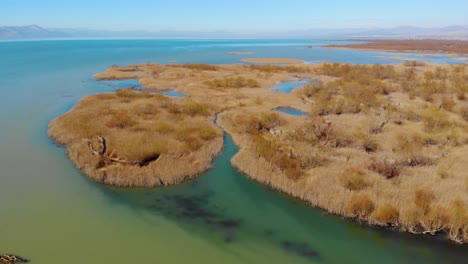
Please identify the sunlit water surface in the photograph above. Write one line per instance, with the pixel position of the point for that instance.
(51, 213)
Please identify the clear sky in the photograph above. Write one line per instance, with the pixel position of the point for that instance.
(232, 15)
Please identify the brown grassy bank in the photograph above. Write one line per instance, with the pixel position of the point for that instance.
(273, 60)
(422, 45)
(134, 139)
(384, 144)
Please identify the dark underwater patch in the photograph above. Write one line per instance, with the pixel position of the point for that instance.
(300, 248)
(196, 209)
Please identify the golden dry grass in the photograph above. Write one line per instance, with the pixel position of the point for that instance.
(273, 60)
(385, 144)
(146, 143)
(431, 45)
(386, 154)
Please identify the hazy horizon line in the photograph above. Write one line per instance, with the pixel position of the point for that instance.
(238, 30)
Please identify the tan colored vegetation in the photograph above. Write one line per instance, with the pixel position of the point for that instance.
(385, 144)
(273, 60)
(381, 145)
(360, 206)
(386, 214)
(130, 138)
(233, 82)
(431, 45)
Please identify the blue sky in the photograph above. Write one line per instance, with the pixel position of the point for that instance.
(231, 15)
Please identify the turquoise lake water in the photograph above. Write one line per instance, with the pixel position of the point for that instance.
(290, 111)
(287, 87)
(51, 213)
(173, 94)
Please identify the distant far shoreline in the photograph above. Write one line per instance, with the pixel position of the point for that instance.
(421, 45)
(240, 52)
(273, 60)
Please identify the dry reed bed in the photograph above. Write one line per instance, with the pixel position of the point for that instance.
(427, 45)
(129, 138)
(383, 144)
(386, 145)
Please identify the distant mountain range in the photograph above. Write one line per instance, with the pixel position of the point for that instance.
(37, 32)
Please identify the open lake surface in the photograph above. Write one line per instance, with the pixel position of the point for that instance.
(51, 213)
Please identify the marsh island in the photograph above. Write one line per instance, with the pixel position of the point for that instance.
(386, 144)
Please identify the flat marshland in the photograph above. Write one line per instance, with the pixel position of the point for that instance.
(273, 60)
(416, 45)
(138, 139)
(383, 144)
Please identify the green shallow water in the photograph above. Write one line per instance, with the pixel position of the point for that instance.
(51, 213)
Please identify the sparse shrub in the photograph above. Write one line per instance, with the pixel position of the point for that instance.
(279, 155)
(428, 75)
(233, 82)
(360, 205)
(383, 72)
(377, 126)
(276, 68)
(207, 133)
(269, 120)
(193, 109)
(136, 149)
(192, 143)
(172, 108)
(385, 167)
(148, 110)
(464, 112)
(183, 133)
(105, 96)
(411, 148)
(253, 125)
(312, 89)
(121, 120)
(165, 128)
(196, 66)
(312, 159)
(369, 144)
(128, 93)
(410, 216)
(458, 226)
(423, 198)
(443, 171)
(252, 83)
(441, 73)
(413, 63)
(409, 75)
(436, 120)
(314, 131)
(354, 179)
(345, 96)
(435, 219)
(447, 103)
(386, 214)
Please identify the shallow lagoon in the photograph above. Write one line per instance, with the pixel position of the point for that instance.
(121, 84)
(172, 93)
(290, 111)
(51, 213)
(287, 87)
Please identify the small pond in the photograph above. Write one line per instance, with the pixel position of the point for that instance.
(287, 87)
(290, 111)
(173, 93)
